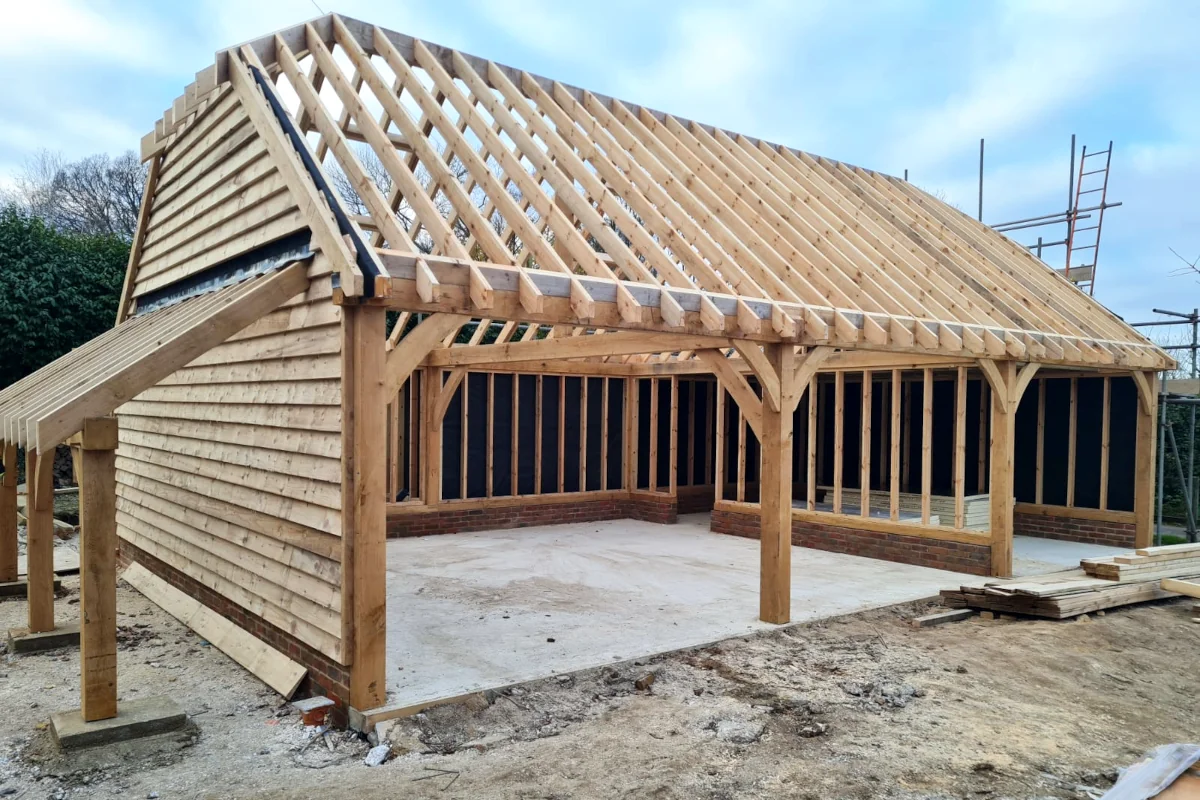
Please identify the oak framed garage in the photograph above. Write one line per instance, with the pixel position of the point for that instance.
(548, 300)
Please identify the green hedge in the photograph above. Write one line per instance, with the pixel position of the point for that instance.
(57, 291)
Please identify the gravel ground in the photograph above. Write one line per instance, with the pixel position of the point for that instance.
(859, 706)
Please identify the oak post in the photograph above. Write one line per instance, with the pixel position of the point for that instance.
(775, 497)
(8, 515)
(98, 569)
(1143, 490)
(39, 538)
(1001, 486)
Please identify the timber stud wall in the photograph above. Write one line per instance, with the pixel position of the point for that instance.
(921, 551)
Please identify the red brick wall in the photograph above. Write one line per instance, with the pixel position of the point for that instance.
(919, 550)
(449, 519)
(1074, 529)
(696, 499)
(325, 676)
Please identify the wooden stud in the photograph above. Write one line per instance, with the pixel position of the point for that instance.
(673, 479)
(811, 488)
(562, 433)
(981, 475)
(1072, 440)
(653, 463)
(839, 434)
(514, 473)
(926, 443)
(537, 438)
(894, 464)
(1039, 471)
(98, 570)
(583, 432)
(1106, 413)
(865, 448)
(960, 449)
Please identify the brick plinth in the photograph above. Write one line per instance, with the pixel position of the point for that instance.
(696, 499)
(1074, 529)
(325, 676)
(451, 518)
(918, 550)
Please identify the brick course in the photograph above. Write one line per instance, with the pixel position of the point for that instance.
(919, 550)
(325, 676)
(1074, 529)
(450, 519)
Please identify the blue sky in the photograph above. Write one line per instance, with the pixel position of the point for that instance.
(887, 85)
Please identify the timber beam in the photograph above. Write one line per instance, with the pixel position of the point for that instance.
(429, 283)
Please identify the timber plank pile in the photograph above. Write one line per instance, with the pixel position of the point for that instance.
(1097, 585)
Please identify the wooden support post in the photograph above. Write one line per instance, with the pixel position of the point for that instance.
(741, 476)
(673, 477)
(1143, 489)
(720, 445)
(926, 443)
(906, 439)
(653, 477)
(604, 434)
(894, 464)
(39, 538)
(775, 494)
(364, 524)
(981, 478)
(839, 433)
(98, 569)
(864, 456)
(8, 514)
(631, 433)
(960, 449)
(1001, 500)
(537, 437)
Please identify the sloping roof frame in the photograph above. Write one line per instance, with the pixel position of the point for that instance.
(788, 245)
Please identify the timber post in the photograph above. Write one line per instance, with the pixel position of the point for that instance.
(8, 515)
(39, 538)
(775, 499)
(98, 568)
(1143, 474)
(364, 495)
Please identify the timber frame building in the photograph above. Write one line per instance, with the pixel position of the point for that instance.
(549, 305)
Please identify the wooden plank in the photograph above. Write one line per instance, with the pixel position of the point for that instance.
(98, 570)
(813, 406)
(720, 445)
(268, 664)
(1144, 474)
(673, 422)
(1189, 588)
(653, 464)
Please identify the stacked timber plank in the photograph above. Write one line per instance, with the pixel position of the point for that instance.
(1099, 584)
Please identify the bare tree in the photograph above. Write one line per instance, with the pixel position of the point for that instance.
(100, 194)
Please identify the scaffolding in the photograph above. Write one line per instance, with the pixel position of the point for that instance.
(1189, 399)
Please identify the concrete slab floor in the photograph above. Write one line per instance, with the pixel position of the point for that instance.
(1036, 556)
(482, 610)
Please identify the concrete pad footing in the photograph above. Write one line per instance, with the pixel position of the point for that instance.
(135, 719)
(20, 588)
(21, 641)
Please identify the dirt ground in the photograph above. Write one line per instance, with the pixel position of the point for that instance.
(859, 706)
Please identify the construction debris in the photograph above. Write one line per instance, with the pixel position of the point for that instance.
(1152, 573)
(940, 618)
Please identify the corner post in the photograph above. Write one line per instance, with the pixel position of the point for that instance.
(364, 496)
(39, 548)
(775, 501)
(1144, 471)
(8, 515)
(98, 568)
(1000, 488)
